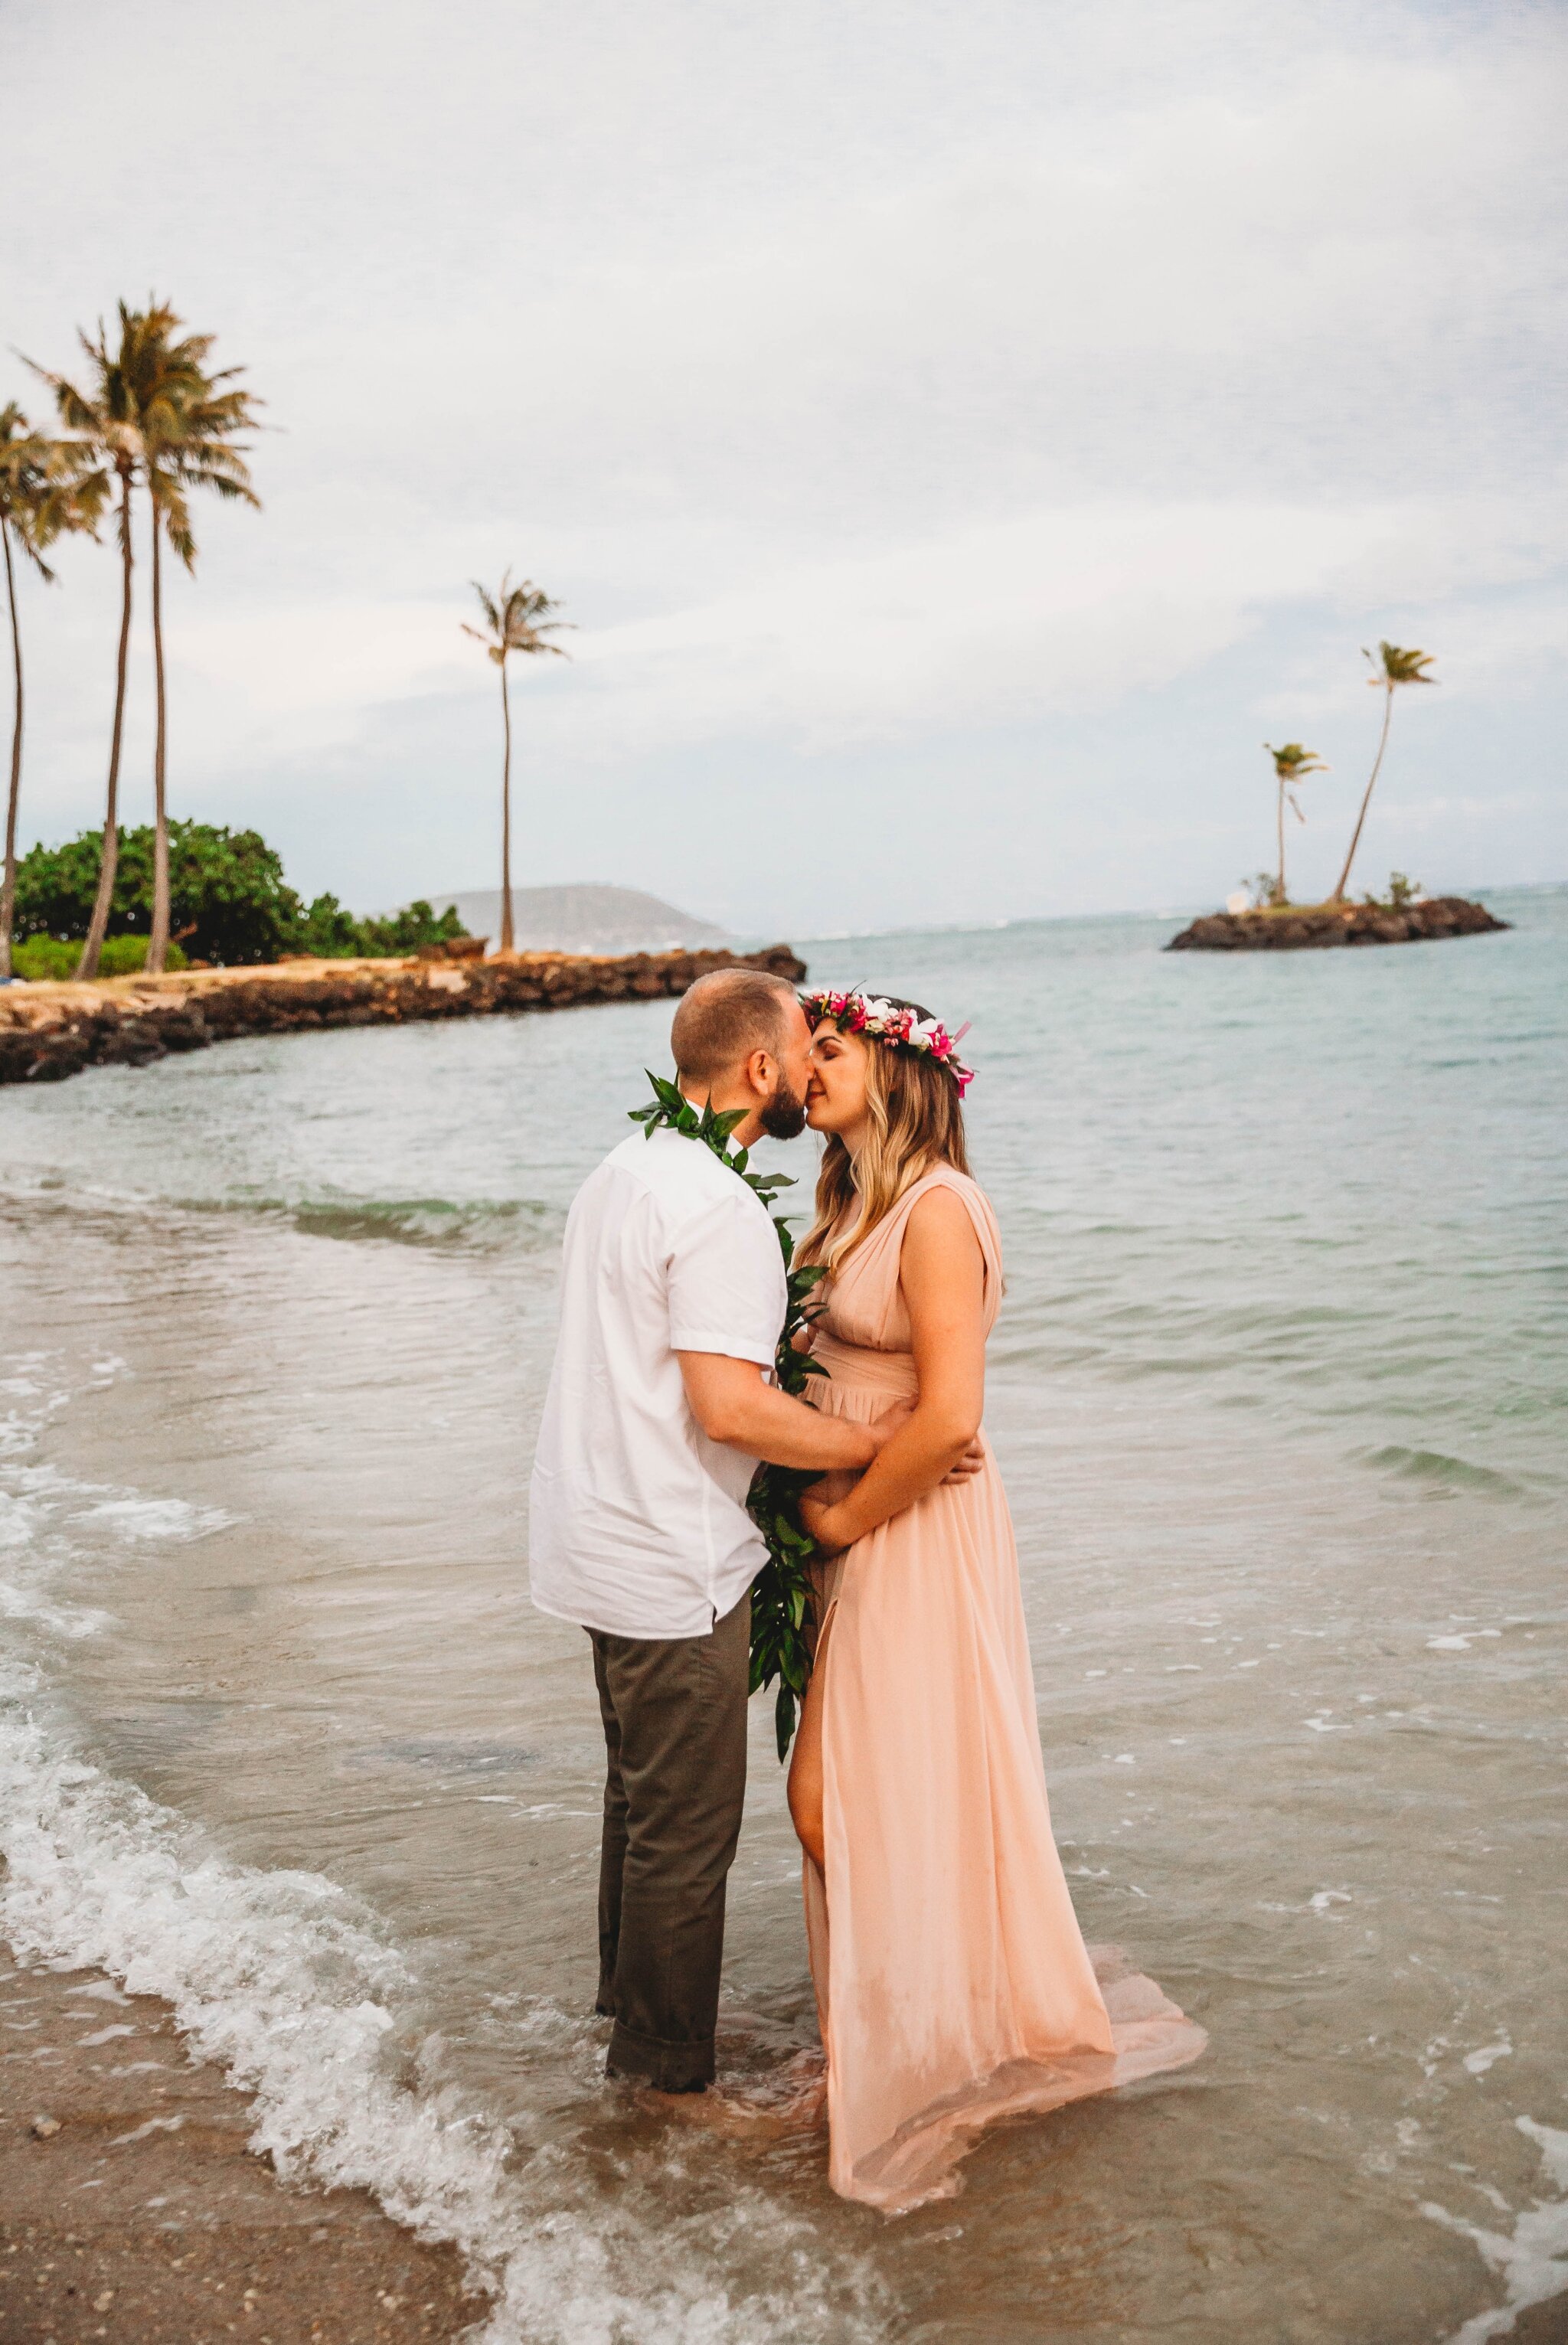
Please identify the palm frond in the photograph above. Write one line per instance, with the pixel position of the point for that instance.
(43, 490)
(152, 409)
(1294, 760)
(1394, 666)
(491, 609)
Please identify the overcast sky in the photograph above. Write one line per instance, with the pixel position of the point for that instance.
(962, 430)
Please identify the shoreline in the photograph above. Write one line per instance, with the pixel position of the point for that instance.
(51, 1030)
(132, 2206)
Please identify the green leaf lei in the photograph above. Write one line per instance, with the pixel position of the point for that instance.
(783, 1601)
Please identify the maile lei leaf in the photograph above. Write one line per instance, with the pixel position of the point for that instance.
(783, 1601)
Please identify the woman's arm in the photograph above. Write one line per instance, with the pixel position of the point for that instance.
(942, 1272)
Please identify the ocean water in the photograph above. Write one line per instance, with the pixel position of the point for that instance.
(1281, 1395)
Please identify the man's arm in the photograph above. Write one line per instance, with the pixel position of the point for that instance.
(733, 1405)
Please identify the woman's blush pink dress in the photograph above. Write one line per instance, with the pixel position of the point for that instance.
(953, 1986)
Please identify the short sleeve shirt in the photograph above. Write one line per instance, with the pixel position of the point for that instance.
(637, 1520)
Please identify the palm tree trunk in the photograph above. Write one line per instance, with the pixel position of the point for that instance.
(1279, 883)
(99, 926)
(507, 929)
(1339, 895)
(8, 885)
(158, 942)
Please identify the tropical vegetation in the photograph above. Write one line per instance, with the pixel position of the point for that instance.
(148, 415)
(1391, 668)
(38, 959)
(229, 900)
(149, 425)
(516, 620)
(1291, 763)
(42, 494)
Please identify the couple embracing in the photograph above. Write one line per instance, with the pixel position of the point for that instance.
(952, 1983)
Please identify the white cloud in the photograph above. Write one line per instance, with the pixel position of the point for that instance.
(1074, 608)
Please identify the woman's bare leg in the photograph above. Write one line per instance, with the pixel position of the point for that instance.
(806, 1764)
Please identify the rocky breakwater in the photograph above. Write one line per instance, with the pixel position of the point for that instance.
(1306, 927)
(48, 1032)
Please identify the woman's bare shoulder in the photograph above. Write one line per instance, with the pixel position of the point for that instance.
(942, 1215)
(949, 1190)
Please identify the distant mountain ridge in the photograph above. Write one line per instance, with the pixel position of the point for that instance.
(588, 918)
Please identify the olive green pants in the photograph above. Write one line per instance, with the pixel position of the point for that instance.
(675, 1742)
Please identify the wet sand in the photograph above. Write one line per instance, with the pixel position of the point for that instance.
(131, 2209)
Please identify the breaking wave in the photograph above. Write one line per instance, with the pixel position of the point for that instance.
(294, 1987)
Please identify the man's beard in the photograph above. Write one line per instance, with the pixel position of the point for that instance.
(784, 1117)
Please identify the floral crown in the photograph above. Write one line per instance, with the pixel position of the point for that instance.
(855, 1012)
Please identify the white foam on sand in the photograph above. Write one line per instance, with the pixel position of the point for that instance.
(1532, 2259)
(291, 1986)
(139, 1518)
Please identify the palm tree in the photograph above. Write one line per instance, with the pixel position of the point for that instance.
(1289, 766)
(149, 414)
(1391, 668)
(38, 500)
(188, 428)
(103, 418)
(517, 620)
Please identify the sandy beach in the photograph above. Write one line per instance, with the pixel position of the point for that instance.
(131, 2209)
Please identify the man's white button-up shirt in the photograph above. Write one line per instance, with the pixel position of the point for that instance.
(638, 1522)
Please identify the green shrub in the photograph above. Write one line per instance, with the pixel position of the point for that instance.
(39, 957)
(229, 900)
(44, 957)
(327, 928)
(125, 956)
(1402, 893)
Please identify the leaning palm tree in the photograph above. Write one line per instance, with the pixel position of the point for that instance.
(1290, 764)
(188, 430)
(38, 499)
(1391, 668)
(517, 620)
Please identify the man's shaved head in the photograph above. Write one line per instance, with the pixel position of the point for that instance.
(725, 1016)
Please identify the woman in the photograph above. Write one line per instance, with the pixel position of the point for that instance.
(952, 1983)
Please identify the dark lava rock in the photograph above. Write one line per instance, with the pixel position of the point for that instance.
(1309, 928)
(49, 1032)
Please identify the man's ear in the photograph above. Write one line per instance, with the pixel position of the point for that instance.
(761, 1073)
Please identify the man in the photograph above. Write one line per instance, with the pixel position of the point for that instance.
(660, 1406)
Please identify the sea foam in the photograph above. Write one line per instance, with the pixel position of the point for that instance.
(1532, 2260)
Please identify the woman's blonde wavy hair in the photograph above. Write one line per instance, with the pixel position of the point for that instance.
(917, 1121)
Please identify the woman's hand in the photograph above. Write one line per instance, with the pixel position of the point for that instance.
(818, 1514)
(821, 1514)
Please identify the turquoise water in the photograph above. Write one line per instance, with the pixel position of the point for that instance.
(1279, 1391)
